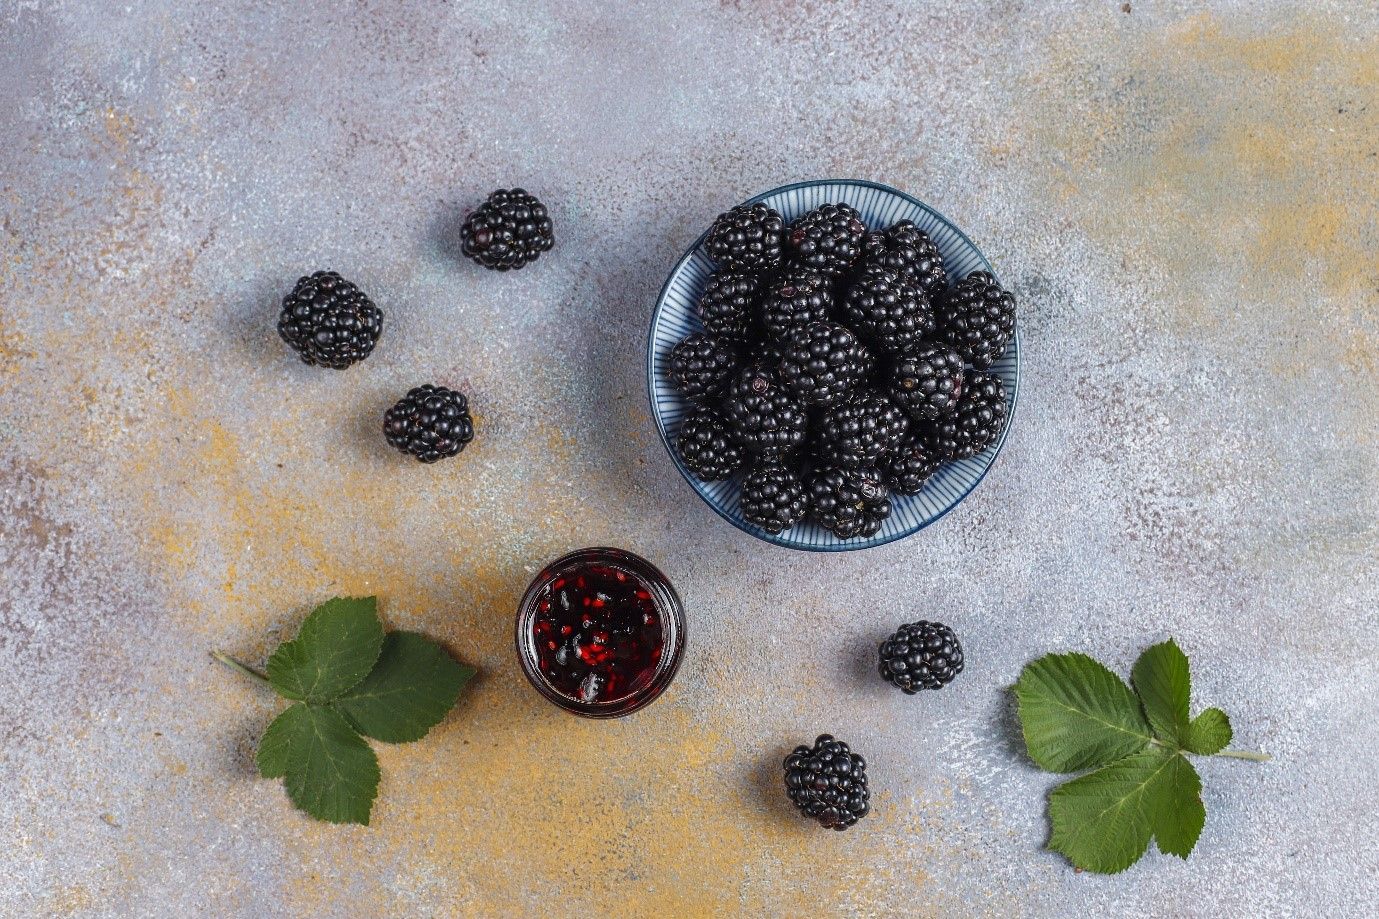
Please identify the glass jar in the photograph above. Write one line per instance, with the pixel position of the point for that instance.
(600, 632)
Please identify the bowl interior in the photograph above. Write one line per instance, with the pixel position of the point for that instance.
(676, 316)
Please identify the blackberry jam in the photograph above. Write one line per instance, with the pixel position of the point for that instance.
(600, 632)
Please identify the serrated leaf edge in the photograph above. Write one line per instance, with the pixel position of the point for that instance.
(1198, 750)
(466, 673)
(1199, 815)
(1177, 736)
(1054, 835)
(288, 772)
(1147, 737)
(293, 642)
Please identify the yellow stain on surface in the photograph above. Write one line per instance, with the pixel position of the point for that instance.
(72, 900)
(12, 350)
(1207, 148)
(509, 802)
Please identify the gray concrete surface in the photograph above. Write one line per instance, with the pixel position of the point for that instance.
(1183, 199)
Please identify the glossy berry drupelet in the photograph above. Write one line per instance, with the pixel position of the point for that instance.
(921, 655)
(773, 497)
(701, 365)
(747, 237)
(727, 307)
(849, 503)
(887, 310)
(828, 782)
(329, 322)
(926, 381)
(827, 239)
(980, 415)
(907, 250)
(794, 300)
(766, 418)
(768, 354)
(823, 362)
(507, 231)
(977, 317)
(860, 429)
(708, 447)
(430, 422)
(906, 468)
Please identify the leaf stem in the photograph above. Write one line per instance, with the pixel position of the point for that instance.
(241, 667)
(1233, 754)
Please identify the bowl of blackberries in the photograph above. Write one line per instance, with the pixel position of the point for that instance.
(833, 365)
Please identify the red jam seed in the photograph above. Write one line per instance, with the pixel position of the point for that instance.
(610, 634)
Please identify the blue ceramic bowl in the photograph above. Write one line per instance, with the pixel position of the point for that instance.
(675, 317)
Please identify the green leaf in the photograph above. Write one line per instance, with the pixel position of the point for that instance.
(347, 680)
(1104, 820)
(330, 771)
(1208, 733)
(335, 649)
(1182, 814)
(409, 691)
(1076, 714)
(1162, 680)
(276, 746)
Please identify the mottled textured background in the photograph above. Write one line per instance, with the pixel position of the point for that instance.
(1184, 202)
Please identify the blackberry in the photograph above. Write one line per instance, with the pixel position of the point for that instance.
(767, 419)
(708, 447)
(860, 430)
(827, 239)
(822, 362)
(747, 237)
(978, 420)
(849, 502)
(977, 317)
(908, 251)
(888, 310)
(795, 299)
(507, 231)
(906, 468)
(921, 655)
(828, 782)
(773, 497)
(700, 366)
(328, 321)
(927, 381)
(728, 304)
(430, 422)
